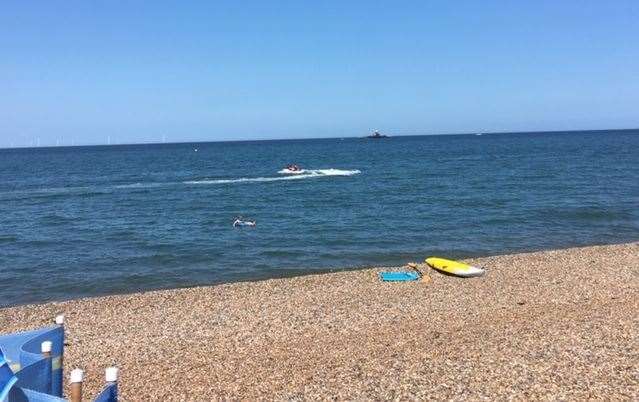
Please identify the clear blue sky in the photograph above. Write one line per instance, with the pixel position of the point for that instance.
(215, 70)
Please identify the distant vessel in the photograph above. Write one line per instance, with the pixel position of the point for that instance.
(376, 134)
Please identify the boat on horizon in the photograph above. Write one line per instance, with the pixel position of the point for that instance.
(376, 134)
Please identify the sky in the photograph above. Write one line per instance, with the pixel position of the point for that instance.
(92, 72)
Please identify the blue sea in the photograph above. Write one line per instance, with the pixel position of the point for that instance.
(87, 221)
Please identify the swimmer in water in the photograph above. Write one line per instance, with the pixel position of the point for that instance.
(239, 222)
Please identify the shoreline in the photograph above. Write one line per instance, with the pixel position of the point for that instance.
(301, 272)
(539, 324)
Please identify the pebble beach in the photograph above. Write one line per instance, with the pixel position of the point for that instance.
(560, 324)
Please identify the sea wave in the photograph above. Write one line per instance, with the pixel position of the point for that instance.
(141, 185)
(52, 192)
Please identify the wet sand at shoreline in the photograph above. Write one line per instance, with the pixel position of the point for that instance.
(560, 324)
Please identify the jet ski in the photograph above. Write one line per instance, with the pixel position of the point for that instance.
(292, 169)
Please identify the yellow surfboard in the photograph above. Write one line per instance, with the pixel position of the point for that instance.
(454, 267)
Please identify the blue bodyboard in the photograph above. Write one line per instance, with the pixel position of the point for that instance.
(398, 276)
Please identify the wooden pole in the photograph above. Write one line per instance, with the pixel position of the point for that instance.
(77, 375)
(111, 374)
(45, 348)
(57, 363)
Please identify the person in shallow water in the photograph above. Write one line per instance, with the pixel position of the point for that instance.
(240, 222)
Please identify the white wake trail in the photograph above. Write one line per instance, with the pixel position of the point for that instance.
(305, 174)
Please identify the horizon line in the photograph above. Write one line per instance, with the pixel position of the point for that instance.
(318, 138)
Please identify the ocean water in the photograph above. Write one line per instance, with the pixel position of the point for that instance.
(88, 221)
